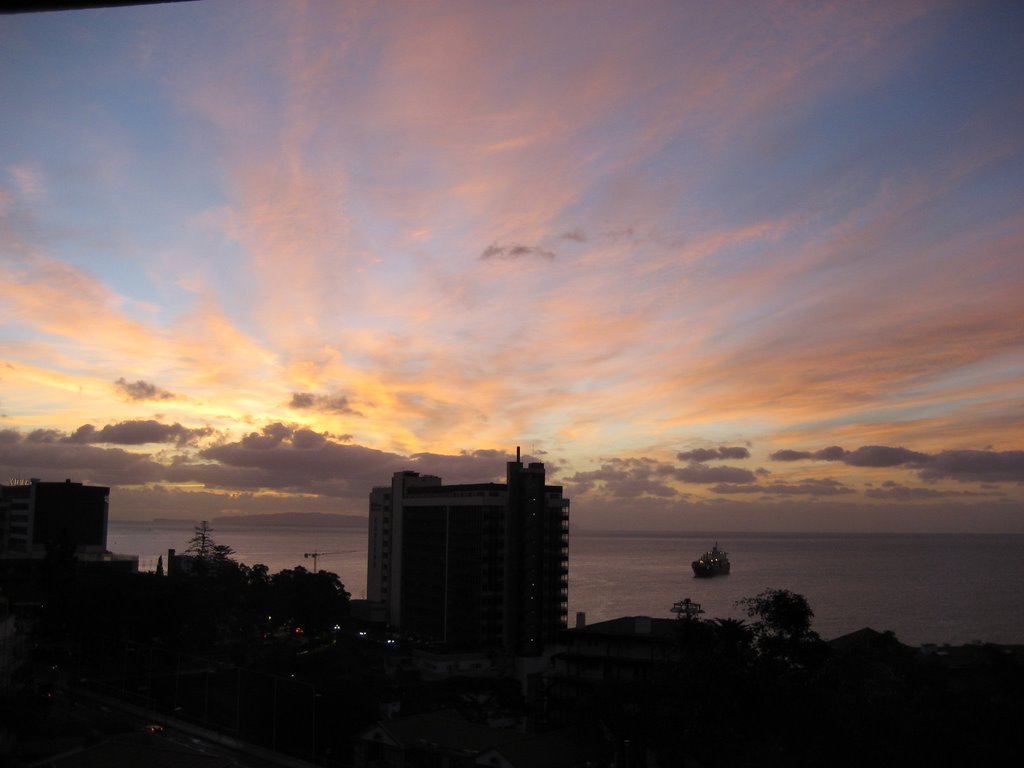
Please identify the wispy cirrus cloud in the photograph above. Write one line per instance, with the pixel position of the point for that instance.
(28, 181)
(70, 304)
(786, 228)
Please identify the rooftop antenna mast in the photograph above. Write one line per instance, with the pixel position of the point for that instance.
(687, 609)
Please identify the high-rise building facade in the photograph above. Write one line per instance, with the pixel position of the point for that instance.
(472, 565)
(34, 514)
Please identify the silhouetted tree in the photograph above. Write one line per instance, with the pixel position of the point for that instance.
(779, 612)
(201, 545)
(782, 626)
(733, 638)
(207, 555)
(254, 600)
(222, 554)
(313, 601)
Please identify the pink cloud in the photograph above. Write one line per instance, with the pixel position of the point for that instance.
(59, 300)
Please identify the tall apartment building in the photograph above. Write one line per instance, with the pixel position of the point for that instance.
(35, 513)
(474, 565)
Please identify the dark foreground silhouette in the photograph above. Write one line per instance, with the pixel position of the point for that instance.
(275, 660)
(771, 692)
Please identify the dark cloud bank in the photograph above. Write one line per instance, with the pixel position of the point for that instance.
(280, 457)
(139, 432)
(710, 454)
(625, 478)
(515, 251)
(142, 390)
(629, 478)
(964, 465)
(306, 401)
(326, 472)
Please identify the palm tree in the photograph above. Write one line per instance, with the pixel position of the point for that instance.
(734, 637)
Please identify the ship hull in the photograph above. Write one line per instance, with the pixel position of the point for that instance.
(704, 570)
(714, 562)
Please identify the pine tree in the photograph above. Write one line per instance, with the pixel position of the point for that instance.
(206, 553)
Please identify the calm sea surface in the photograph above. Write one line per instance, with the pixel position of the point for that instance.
(939, 588)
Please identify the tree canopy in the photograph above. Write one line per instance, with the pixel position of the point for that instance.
(782, 624)
(207, 555)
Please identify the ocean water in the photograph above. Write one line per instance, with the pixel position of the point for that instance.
(277, 547)
(927, 588)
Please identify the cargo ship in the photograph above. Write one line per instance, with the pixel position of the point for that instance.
(714, 562)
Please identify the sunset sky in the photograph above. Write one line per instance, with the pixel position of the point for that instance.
(721, 266)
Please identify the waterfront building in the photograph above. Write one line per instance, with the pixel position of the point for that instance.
(471, 565)
(34, 514)
(67, 521)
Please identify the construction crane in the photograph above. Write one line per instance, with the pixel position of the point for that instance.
(315, 555)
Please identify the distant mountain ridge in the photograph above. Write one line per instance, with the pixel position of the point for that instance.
(322, 519)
